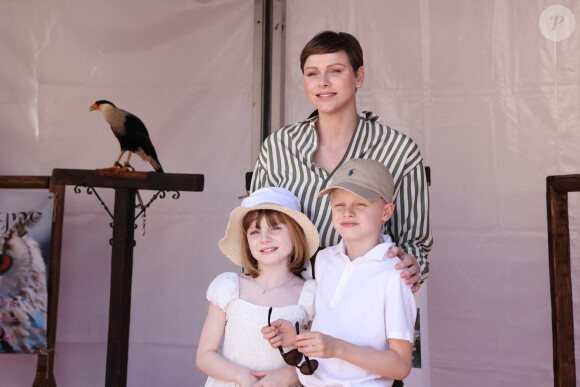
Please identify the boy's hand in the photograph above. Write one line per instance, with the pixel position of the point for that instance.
(280, 332)
(316, 344)
(411, 275)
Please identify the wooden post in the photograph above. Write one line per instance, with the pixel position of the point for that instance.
(125, 185)
(560, 277)
(121, 278)
(45, 365)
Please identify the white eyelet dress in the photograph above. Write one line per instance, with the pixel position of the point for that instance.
(243, 342)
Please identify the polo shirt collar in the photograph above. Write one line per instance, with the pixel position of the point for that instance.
(377, 253)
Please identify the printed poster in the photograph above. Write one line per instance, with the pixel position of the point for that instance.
(420, 373)
(25, 233)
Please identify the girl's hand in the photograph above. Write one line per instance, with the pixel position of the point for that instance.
(248, 380)
(276, 378)
(316, 344)
(280, 332)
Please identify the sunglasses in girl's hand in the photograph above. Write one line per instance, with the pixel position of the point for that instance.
(294, 356)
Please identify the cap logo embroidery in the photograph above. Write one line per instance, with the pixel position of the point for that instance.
(351, 172)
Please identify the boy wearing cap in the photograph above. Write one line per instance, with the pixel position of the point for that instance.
(362, 333)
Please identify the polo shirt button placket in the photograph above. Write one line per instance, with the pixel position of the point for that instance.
(341, 284)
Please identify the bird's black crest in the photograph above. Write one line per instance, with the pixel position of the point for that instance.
(102, 101)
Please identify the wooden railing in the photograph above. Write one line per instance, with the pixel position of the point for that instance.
(561, 278)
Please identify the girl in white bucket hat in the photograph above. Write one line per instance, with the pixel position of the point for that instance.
(271, 239)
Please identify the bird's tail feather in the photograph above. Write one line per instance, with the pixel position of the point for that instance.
(156, 165)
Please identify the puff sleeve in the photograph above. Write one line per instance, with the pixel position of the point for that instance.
(307, 298)
(223, 290)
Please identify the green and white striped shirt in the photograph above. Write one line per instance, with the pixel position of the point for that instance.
(285, 160)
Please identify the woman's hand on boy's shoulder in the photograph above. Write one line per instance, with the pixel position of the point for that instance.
(412, 273)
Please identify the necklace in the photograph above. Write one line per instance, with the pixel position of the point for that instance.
(264, 290)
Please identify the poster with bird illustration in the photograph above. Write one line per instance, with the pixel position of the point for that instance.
(25, 234)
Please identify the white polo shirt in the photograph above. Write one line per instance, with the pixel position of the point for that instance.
(364, 302)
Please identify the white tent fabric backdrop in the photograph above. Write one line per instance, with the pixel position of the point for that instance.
(491, 101)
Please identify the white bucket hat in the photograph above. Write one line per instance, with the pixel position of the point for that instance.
(268, 198)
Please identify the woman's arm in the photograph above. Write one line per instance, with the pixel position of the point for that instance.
(260, 173)
(209, 361)
(394, 363)
(410, 225)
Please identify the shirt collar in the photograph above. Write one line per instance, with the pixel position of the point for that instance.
(311, 139)
(370, 116)
(310, 124)
(377, 253)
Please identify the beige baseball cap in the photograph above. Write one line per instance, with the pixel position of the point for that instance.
(365, 178)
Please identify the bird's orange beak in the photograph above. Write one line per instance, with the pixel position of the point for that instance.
(94, 107)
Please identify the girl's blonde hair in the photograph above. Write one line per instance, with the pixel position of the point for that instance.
(298, 256)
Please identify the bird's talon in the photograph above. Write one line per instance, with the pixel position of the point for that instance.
(116, 168)
(113, 168)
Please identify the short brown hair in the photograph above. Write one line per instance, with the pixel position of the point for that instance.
(327, 42)
(299, 251)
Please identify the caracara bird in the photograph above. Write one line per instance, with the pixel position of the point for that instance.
(131, 133)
